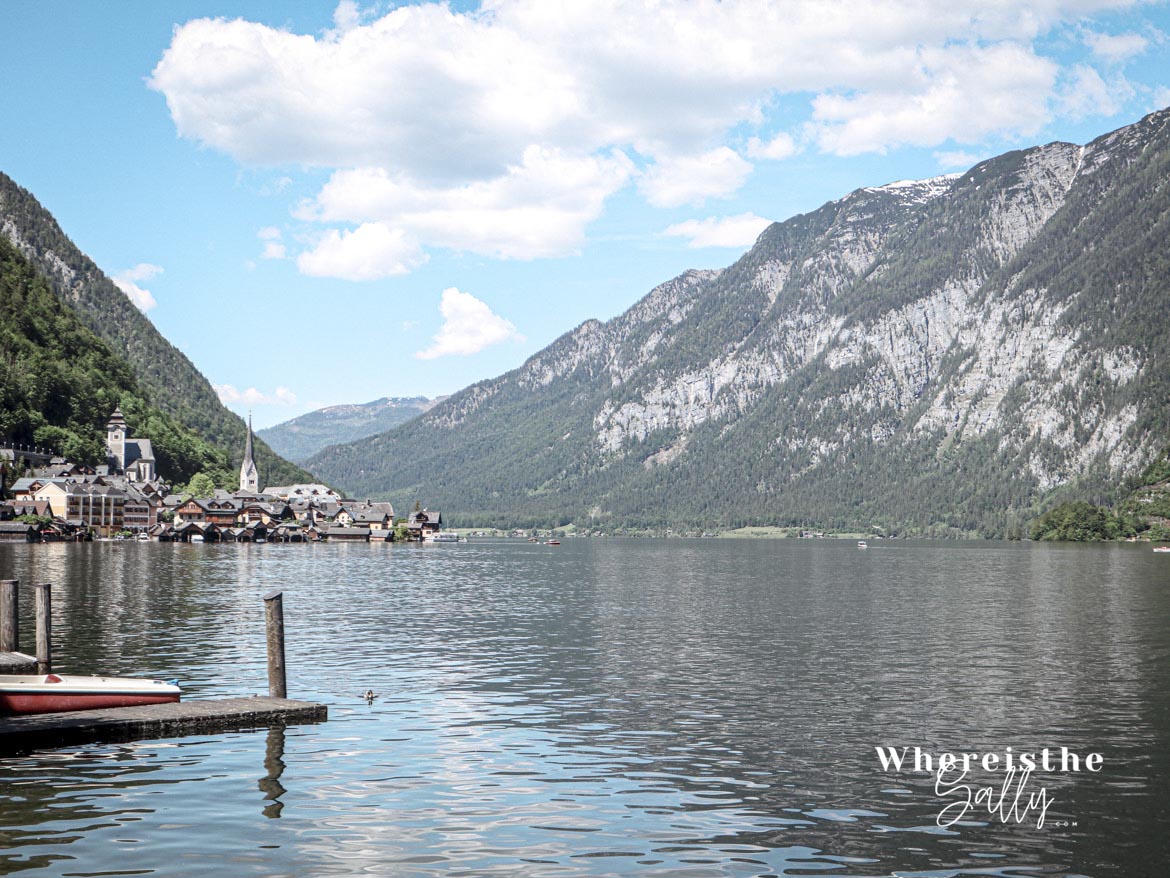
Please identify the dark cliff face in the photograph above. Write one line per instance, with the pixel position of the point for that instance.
(171, 381)
(950, 352)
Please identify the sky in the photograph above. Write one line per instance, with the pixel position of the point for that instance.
(323, 203)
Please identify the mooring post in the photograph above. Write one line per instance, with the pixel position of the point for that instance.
(9, 615)
(274, 629)
(44, 628)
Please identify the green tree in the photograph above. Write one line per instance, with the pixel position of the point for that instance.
(201, 485)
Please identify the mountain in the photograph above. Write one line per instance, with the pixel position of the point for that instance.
(948, 355)
(59, 382)
(301, 438)
(165, 376)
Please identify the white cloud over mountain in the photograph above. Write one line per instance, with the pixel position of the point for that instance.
(729, 231)
(128, 282)
(691, 179)
(468, 327)
(228, 395)
(504, 130)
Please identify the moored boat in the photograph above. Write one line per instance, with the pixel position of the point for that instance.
(52, 693)
(1162, 548)
(442, 536)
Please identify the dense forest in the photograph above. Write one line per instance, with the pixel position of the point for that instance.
(59, 383)
(172, 383)
(1144, 513)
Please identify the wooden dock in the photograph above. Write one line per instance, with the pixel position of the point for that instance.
(41, 731)
(20, 734)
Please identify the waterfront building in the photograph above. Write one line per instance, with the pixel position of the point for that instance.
(423, 522)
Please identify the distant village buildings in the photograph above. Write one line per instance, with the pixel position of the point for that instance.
(125, 497)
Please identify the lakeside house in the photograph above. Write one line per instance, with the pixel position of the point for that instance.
(423, 522)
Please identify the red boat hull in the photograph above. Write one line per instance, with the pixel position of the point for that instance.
(58, 703)
(50, 693)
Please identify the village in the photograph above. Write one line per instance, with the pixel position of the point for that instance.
(56, 500)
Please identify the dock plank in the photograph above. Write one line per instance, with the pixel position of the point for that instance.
(41, 731)
(17, 663)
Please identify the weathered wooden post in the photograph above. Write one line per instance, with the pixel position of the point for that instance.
(274, 629)
(44, 628)
(9, 615)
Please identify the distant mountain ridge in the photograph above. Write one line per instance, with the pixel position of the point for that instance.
(167, 377)
(302, 437)
(946, 355)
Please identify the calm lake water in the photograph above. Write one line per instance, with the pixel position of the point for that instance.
(609, 707)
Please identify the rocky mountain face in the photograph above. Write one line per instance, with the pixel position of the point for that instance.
(301, 438)
(168, 379)
(951, 353)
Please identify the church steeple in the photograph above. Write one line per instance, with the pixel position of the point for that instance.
(116, 441)
(249, 477)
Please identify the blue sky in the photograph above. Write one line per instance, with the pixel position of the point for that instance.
(323, 203)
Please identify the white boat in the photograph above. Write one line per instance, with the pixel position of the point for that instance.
(51, 693)
(442, 536)
(1162, 548)
(862, 544)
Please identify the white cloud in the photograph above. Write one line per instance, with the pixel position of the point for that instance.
(228, 395)
(1161, 98)
(127, 280)
(539, 207)
(963, 94)
(1087, 93)
(468, 327)
(958, 159)
(730, 231)
(503, 130)
(1116, 48)
(781, 146)
(273, 243)
(346, 16)
(370, 252)
(676, 181)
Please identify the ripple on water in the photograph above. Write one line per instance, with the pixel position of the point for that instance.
(614, 708)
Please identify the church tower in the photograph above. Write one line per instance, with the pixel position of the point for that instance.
(116, 441)
(249, 477)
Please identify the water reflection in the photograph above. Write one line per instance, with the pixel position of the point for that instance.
(270, 784)
(628, 708)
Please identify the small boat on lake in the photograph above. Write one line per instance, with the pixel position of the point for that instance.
(862, 544)
(442, 536)
(51, 693)
(1162, 548)
(553, 543)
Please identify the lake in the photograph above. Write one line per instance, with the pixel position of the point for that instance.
(613, 707)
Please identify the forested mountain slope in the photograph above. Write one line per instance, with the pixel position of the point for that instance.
(171, 381)
(59, 382)
(950, 353)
